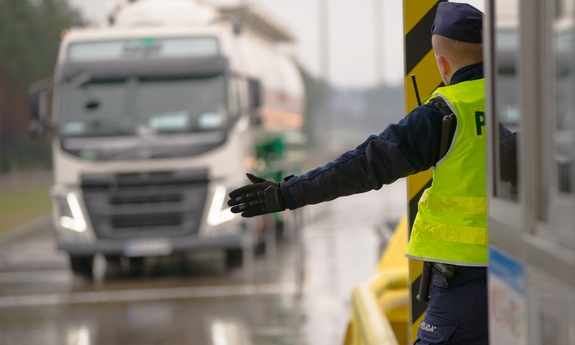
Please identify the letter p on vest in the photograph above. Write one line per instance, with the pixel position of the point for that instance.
(479, 123)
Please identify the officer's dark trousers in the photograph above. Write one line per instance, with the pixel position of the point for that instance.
(457, 309)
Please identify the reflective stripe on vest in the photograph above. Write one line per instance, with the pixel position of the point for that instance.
(451, 223)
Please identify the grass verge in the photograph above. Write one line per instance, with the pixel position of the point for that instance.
(19, 205)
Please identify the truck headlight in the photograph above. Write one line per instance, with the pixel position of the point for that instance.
(71, 216)
(219, 212)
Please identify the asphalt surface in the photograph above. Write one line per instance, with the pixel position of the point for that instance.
(298, 292)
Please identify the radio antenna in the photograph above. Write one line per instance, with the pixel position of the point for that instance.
(416, 89)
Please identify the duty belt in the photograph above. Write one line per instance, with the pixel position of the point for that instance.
(447, 271)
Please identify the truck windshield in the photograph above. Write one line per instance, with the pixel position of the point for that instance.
(136, 106)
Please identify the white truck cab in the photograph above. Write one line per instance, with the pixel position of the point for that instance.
(157, 117)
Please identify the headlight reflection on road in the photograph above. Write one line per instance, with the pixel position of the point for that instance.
(79, 335)
(226, 332)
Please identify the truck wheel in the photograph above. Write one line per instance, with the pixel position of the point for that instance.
(82, 265)
(113, 262)
(234, 258)
(113, 259)
(137, 265)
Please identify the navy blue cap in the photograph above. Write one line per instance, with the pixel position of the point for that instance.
(458, 21)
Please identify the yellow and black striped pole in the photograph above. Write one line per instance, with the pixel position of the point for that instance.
(418, 16)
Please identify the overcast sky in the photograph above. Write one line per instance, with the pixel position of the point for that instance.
(351, 30)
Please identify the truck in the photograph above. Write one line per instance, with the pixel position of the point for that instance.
(156, 117)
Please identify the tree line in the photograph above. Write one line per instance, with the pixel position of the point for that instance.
(29, 37)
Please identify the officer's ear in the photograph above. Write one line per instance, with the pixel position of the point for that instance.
(444, 67)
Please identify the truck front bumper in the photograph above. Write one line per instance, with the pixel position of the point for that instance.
(155, 246)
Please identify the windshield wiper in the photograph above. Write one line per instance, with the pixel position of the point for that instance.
(80, 79)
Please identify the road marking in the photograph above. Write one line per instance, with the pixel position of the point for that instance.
(148, 295)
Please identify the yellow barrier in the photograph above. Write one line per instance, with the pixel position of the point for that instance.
(373, 325)
(380, 305)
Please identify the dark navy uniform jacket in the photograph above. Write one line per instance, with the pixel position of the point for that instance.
(402, 149)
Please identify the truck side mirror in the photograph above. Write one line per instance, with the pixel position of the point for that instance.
(38, 102)
(255, 88)
(36, 129)
(255, 101)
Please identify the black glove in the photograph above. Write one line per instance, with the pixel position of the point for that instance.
(259, 198)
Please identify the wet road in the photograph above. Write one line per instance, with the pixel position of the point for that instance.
(298, 293)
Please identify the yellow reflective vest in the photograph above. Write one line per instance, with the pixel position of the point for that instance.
(451, 222)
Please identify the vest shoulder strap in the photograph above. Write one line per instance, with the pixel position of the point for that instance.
(440, 104)
(447, 127)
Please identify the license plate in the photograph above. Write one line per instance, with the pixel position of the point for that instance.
(148, 247)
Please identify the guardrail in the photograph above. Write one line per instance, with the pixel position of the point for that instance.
(380, 305)
(373, 324)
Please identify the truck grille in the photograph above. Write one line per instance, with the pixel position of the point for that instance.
(145, 204)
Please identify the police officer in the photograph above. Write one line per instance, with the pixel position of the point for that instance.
(451, 223)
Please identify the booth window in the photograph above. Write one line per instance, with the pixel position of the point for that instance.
(563, 114)
(560, 70)
(507, 87)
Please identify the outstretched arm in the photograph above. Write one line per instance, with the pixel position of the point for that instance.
(402, 149)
